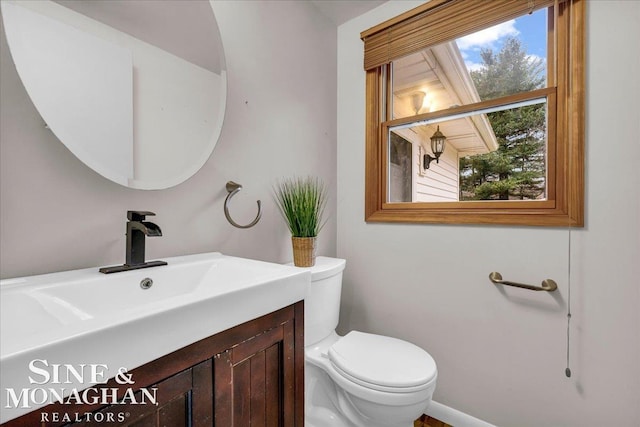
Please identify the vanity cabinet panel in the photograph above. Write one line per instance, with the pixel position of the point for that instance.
(249, 375)
(182, 401)
(262, 391)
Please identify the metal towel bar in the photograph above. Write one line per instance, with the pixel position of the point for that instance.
(547, 284)
(232, 189)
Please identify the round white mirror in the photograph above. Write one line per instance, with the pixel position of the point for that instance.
(135, 89)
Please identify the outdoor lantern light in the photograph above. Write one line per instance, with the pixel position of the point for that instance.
(437, 147)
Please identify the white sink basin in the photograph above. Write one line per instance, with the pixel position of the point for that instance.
(86, 317)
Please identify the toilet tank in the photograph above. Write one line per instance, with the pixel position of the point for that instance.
(322, 303)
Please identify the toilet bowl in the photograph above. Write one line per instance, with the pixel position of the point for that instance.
(358, 379)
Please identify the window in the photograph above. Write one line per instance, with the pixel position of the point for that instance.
(475, 113)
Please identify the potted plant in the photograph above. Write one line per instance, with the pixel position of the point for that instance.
(301, 202)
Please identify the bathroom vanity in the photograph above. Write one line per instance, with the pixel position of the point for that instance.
(252, 374)
(178, 358)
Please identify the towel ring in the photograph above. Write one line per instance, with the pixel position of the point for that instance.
(232, 189)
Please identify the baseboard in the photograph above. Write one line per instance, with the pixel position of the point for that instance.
(454, 417)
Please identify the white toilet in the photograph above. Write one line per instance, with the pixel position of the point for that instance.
(360, 379)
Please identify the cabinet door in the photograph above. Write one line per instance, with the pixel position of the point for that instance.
(182, 400)
(254, 381)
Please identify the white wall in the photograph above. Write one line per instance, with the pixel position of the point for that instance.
(501, 353)
(56, 214)
(439, 183)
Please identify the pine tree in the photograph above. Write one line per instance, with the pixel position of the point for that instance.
(516, 170)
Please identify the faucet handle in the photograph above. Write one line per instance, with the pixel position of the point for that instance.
(138, 215)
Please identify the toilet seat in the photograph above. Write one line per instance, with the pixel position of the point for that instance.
(382, 363)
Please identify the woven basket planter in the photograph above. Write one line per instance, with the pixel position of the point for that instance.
(304, 251)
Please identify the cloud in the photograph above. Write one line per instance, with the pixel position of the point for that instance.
(470, 63)
(488, 36)
(533, 57)
(473, 66)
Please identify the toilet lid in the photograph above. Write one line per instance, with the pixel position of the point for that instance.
(382, 361)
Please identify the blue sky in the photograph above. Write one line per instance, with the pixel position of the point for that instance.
(530, 29)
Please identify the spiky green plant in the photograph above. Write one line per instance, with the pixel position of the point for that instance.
(301, 202)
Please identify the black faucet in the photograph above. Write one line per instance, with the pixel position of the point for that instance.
(137, 229)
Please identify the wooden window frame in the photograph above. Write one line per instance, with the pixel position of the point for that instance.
(408, 33)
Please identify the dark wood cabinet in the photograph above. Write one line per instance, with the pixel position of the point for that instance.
(255, 381)
(249, 375)
(182, 400)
